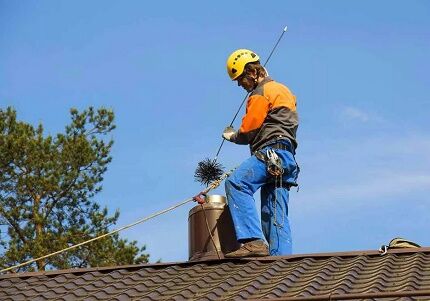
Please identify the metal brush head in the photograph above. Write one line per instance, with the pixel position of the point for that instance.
(208, 171)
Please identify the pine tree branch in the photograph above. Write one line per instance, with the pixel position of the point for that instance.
(56, 199)
(14, 225)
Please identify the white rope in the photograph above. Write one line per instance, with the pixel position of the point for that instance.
(214, 185)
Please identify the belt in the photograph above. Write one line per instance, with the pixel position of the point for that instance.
(281, 146)
(276, 145)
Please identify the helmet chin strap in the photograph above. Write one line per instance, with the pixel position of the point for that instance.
(256, 79)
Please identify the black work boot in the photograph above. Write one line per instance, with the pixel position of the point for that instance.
(255, 248)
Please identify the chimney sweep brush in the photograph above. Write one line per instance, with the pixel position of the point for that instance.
(208, 171)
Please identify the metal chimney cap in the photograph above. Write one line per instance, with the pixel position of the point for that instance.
(216, 198)
(213, 202)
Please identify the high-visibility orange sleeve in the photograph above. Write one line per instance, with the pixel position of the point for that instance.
(256, 111)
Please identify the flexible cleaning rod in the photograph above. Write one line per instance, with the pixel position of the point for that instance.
(247, 94)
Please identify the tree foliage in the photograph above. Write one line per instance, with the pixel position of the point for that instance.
(47, 189)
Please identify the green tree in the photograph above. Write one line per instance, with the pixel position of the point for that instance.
(47, 189)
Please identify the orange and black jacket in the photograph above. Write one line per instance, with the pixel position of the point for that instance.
(271, 116)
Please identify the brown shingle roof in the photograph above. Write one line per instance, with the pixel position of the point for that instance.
(295, 276)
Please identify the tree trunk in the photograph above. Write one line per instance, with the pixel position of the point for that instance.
(39, 231)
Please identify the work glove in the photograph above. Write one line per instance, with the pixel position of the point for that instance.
(228, 133)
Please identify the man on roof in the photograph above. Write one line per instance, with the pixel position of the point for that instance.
(269, 128)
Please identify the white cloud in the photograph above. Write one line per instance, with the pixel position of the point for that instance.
(375, 187)
(388, 166)
(355, 114)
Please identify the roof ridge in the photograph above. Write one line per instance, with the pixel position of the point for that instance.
(214, 261)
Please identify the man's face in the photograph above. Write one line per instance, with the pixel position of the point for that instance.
(247, 81)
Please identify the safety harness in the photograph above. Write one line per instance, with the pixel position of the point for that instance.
(272, 160)
(275, 169)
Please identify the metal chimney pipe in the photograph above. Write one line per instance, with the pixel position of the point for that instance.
(200, 244)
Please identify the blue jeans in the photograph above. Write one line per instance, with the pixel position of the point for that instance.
(240, 188)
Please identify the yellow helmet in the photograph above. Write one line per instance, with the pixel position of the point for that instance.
(238, 59)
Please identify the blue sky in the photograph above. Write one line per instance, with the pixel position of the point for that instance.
(359, 70)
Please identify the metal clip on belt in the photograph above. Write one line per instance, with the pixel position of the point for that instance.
(274, 163)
